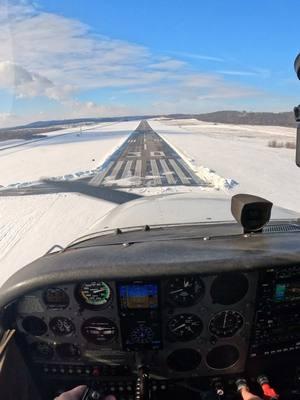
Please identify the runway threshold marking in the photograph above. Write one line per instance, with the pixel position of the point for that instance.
(155, 172)
(127, 172)
(97, 179)
(115, 171)
(138, 171)
(184, 179)
(192, 173)
(168, 174)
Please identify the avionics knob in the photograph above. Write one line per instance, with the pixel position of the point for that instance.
(218, 387)
(91, 394)
(95, 395)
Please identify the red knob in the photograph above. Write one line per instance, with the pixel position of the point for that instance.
(96, 371)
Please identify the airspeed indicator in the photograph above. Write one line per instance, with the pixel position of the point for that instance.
(94, 294)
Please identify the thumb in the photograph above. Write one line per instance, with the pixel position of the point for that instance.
(74, 394)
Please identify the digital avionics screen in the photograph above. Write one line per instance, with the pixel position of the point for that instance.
(138, 295)
(287, 291)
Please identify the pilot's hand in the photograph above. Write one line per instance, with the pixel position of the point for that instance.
(77, 393)
(74, 394)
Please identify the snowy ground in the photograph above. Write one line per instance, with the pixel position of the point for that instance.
(29, 226)
(62, 154)
(239, 153)
(233, 158)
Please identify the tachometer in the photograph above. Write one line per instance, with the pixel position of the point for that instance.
(226, 323)
(185, 291)
(99, 330)
(184, 327)
(94, 294)
(61, 326)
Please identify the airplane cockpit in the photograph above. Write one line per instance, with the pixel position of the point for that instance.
(160, 312)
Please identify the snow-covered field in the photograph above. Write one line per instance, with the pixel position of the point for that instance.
(239, 153)
(30, 225)
(233, 159)
(62, 154)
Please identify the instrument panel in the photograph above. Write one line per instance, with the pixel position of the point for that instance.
(181, 326)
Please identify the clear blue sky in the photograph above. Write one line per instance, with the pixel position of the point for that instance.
(134, 56)
(253, 32)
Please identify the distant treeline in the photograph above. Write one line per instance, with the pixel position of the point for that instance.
(244, 117)
(36, 129)
(24, 133)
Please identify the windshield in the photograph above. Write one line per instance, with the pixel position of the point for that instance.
(188, 98)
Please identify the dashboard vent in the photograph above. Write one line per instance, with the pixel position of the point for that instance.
(281, 228)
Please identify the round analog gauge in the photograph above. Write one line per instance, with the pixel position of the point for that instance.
(183, 360)
(184, 327)
(99, 330)
(226, 323)
(185, 291)
(61, 326)
(229, 288)
(94, 294)
(34, 326)
(42, 350)
(142, 335)
(68, 350)
(222, 357)
(56, 298)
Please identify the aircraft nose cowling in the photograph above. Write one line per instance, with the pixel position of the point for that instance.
(175, 208)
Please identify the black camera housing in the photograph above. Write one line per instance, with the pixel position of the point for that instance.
(252, 212)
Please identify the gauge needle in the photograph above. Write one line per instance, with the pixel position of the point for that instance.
(179, 327)
(186, 283)
(225, 319)
(176, 291)
(98, 328)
